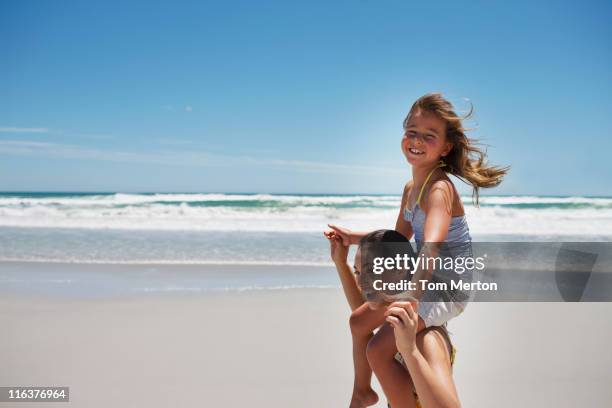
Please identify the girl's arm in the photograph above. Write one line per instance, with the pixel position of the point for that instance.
(425, 356)
(437, 221)
(439, 211)
(339, 254)
(401, 225)
(348, 237)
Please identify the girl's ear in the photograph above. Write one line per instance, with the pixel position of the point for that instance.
(447, 149)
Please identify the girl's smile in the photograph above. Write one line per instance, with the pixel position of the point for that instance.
(415, 151)
(425, 139)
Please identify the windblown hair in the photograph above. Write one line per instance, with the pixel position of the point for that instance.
(466, 160)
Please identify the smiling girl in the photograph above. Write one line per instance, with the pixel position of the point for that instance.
(436, 146)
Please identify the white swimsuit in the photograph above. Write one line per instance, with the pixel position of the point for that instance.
(438, 307)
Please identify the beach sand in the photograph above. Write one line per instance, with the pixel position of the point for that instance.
(286, 348)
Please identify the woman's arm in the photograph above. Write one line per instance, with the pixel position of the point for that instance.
(339, 254)
(349, 286)
(426, 357)
(430, 371)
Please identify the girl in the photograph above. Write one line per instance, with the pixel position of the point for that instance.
(435, 145)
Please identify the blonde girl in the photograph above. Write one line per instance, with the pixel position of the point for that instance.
(435, 144)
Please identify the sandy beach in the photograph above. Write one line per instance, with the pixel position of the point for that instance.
(278, 348)
(185, 186)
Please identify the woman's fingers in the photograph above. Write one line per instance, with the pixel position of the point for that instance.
(412, 308)
(408, 311)
(393, 306)
(399, 312)
(401, 303)
(395, 322)
(408, 305)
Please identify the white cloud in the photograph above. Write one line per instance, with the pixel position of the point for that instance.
(25, 143)
(188, 108)
(179, 158)
(175, 141)
(23, 130)
(95, 136)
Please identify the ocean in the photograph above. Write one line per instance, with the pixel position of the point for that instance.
(266, 233)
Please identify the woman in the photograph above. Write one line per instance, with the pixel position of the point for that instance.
(424, 363)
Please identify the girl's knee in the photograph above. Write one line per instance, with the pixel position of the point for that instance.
(364, 320)
(381, 351)
(372, 353)
(357, 324)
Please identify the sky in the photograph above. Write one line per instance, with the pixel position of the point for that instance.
(297, 97)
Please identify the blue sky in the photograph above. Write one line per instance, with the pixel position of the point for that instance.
(280, 96)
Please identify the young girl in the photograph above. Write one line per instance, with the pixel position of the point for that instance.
(435, 145)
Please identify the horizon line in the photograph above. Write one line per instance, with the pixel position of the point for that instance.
(4, 192)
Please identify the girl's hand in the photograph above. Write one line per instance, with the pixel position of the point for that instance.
(405, 321)
(338, 251)
(345, 234)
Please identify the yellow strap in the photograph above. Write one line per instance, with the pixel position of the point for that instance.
(440, 164)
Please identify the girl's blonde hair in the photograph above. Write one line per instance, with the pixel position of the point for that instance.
(466, 160)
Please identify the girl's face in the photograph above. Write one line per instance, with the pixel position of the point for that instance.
(424, 142)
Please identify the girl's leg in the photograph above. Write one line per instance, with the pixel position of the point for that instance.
(363, 321)
(393, 377)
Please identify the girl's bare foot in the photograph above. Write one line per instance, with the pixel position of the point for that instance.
(363, 399)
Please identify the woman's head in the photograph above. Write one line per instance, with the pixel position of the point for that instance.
(380, 244)
(434, 132)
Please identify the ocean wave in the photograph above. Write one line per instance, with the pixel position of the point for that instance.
(297, 213)
(122, 199)
(247, 288)
(544, 202)
(162, 262)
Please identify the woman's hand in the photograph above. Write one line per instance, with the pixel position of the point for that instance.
(338, 251)
(405, 321)
(345, 234)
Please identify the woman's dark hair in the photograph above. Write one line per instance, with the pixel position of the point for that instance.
(383, 235)
(382, 244)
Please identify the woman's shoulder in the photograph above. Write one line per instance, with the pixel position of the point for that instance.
(435, 344)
